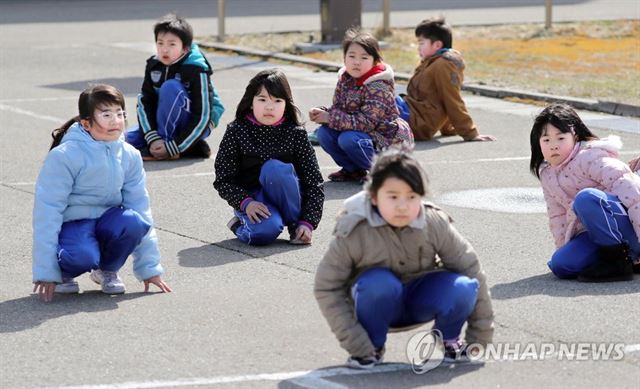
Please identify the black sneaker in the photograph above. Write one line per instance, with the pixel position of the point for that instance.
(199, 149)
(614, 264)
(455, 353)
(234, 224)
(364, 363)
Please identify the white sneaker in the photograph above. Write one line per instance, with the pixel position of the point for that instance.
(68, 286)
(109, 281)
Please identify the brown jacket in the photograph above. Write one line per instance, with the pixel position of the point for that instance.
(363, 240)
(434, 100)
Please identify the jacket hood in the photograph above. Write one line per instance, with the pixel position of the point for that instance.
(196, 58)
(451, 55)
(385, 75)
(359, 207)
(612, 144)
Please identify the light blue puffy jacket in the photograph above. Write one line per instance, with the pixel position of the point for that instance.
(80, 179)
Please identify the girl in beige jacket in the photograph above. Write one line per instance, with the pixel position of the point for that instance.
(398, 262)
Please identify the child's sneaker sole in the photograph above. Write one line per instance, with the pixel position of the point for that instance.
(68, 288)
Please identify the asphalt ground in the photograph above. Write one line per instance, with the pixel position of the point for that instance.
(244, 316)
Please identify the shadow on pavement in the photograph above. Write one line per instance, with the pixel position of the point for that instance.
(394, 375)
(209, 255)
(548, 284)
(438, 141)
(28, 312)
(129, 86)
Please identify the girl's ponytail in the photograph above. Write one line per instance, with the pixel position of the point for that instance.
(58, 133)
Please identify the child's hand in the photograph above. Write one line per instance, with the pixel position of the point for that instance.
(157, 281)
(303, 234)
(318, 115)
(483, 138)
(634, 164)
(256, 210)
(158, 149)
(45, 290)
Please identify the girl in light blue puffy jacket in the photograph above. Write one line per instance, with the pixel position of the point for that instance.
(91, 207)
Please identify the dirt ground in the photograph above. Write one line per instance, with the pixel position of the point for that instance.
(597, 60)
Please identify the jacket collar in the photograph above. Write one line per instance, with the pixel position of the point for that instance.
(359, 207)
(381, 71)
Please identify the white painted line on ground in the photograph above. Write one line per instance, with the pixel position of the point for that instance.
(21, 111)
(306, 379)
(310, 377)
(37, 99)
(331, 167)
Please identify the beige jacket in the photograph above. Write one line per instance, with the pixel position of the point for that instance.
(363, 240)
(433, 96)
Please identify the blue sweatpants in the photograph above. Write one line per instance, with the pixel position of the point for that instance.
(351, 150)
(383, 301)
(403, 107)
(172, 116)
(280, 192)
(606, 223)
(103, 243)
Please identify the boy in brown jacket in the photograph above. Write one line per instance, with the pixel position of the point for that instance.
(433, 102)
(395, 263)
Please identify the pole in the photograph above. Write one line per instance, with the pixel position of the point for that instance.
(386, 11)
(547, 14)
(220, 37)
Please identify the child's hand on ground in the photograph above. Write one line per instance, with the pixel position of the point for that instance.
(256, 210)
(483, 138)
(318, 115)
(634, 164)
(158, 149)
(45, 290)
(303, 234)
(157, 281)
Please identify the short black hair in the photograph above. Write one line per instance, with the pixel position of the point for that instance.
(175, 25)
(400, 164)
(367, 41)
(564, 118)
(435, 29)
(275, 83)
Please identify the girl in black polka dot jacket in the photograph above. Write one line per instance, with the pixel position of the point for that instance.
(266, 169)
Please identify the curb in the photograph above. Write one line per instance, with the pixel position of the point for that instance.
(609, 107)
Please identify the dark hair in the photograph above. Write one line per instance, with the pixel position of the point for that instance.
(562, 117)
(276, 84)
(175, 25)
(90, 99)
(368, 42)
(399, 164)
(435, 29)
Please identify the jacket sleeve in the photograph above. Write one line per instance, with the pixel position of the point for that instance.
(557, 216)
(376, 97)
(458, 255)
(218, 108)
(311, 181)
(617, 178)
(53, 187)
(331, 290)
(198, 81)
(227, 169)
(147, 108)
(146, 256)
(448, 82)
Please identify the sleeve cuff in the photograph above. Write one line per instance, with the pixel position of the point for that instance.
(245, 202)
(151, 137)
(172, 148)
(306, 224)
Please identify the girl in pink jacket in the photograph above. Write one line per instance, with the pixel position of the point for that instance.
(593, 198)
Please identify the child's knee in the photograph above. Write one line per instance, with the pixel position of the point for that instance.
(377, 285)
(171, 88)
(119, 223)
(587, 198)
(465, 294)
(77, 260)
(560, 268)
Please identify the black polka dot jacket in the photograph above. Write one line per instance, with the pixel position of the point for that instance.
(245, 147)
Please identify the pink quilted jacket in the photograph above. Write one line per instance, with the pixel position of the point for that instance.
(592, 164)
